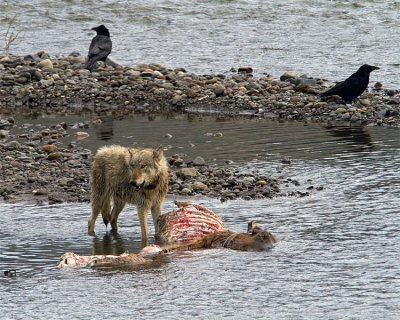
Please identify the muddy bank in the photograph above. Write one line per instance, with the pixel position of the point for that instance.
(42, 84)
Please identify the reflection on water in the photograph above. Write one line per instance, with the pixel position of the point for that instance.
(111, 243)
(105, 127)
(338, 255)
(357, 135)
(217, 139)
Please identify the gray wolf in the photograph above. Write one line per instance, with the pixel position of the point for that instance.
(127, 175)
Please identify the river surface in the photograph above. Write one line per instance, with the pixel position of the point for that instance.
(320, 38)
(338, 255)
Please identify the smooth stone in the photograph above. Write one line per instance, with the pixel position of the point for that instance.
(49, 148)
(199, 161)
(245, 69)
(341, 110)
(45, 64)
(200, 186)
(287, 75)
(188, 172)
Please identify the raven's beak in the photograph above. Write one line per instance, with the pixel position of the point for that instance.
(374, 68)
(94, 29)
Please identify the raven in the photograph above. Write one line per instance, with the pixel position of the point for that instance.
(353, 86)
(100, 47)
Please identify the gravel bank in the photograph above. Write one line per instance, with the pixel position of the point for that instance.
(39, 83)
(38, 166)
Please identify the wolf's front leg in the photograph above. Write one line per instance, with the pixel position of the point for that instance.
(155, 213)
(142, 212)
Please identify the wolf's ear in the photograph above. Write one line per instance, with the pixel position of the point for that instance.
(157, 153)
(131, 154)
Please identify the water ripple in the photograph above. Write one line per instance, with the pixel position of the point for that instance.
(337, 255)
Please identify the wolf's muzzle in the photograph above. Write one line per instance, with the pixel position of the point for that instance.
(136, 186)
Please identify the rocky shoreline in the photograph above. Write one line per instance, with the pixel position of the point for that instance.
(41, 84)
(38, 166)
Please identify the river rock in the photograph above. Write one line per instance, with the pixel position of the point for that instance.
(188, 172)
(245, 69)
(197, 186)
(218, 90)
(49, 148)
(199, 161)
(45, 64)
(341, 110)
(287, 75)
(4, 134)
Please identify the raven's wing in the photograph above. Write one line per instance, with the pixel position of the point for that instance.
(99, 49)
(340, 87)
(100, 46)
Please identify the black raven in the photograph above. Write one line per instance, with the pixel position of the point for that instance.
(100, 47)
(353, 86)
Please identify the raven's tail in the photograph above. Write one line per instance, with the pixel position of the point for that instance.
(90, 64)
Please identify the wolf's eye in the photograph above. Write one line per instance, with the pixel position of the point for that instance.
(143, 166)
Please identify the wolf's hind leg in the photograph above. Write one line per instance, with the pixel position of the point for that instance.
(105, 213)
(116, 210)
(96, 207)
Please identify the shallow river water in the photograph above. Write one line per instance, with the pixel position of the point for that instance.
(337, 257)
(320, 38)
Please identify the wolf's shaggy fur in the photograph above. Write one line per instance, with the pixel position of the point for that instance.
(121, 175)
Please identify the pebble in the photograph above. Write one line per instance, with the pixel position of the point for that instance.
(188, 172)
(199, 161)
(45, 64)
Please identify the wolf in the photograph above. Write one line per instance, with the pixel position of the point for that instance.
(128, 175)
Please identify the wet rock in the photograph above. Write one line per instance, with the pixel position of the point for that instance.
(218, 90)
(13, 145)
(245, 69)
(39, 192)
(55, 156)
(49, 148)
(346, 116)
(4, 134)
(66, 182)
(188, 173)
(199, 161)
(341, 110)
(287, 75)
(186, 191)
(199, 186)
(45, 64)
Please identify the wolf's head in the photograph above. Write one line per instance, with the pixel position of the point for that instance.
(144, 168)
